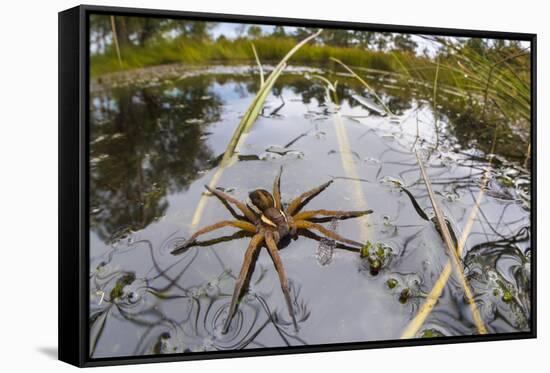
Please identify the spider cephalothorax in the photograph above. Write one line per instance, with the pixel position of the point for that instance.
(268, 222)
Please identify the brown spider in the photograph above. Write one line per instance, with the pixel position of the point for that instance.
(268, 222)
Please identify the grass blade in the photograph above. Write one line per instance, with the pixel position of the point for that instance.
(262, 82)
(115, 40)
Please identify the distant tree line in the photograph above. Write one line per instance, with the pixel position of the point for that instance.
(139, 31)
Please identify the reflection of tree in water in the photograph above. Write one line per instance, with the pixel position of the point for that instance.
(308, 91)
(145, 142)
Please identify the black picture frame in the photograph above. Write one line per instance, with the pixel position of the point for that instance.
(74, 180)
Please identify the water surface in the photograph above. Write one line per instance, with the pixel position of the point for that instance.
(155, 143)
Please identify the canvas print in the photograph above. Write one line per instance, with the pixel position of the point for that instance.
(257, 186)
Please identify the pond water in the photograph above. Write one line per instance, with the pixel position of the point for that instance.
(155, 143)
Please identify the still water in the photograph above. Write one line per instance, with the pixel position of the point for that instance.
(155, 143)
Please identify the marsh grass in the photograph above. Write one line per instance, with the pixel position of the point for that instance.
(497, 82)
(196, 51)
(115, 41)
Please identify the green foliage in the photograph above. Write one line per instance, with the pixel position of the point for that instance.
(392, 283)
(377, 255)
(431, 333)
(118, 289)
(254, 31)
(507, 296)
(185, 49)
(365, 250)
(405, 295)
(494, 79)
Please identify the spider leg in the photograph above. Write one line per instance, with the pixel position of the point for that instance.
(229, 208)
(241, 224)
(235, 236)
(250, 215)
(299, 202)
(253, 246)
(274, 252)
(303, 224)
(305, 215)
(277, 190)
(313, 236)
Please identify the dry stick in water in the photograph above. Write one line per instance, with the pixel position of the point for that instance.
(245, 124)
(115, 39)
(412, 329)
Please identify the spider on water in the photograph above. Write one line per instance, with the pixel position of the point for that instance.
(269, 223)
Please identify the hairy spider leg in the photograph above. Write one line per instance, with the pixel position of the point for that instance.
(253, 246)
(250, 215)
(243, 225)
(303, 224)
(277, 190)
(306, 215)
(303, 199)
(274, 253)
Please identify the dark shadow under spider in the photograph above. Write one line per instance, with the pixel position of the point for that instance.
(272, 225)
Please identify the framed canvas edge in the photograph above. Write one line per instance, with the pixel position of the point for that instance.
(73, 282)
